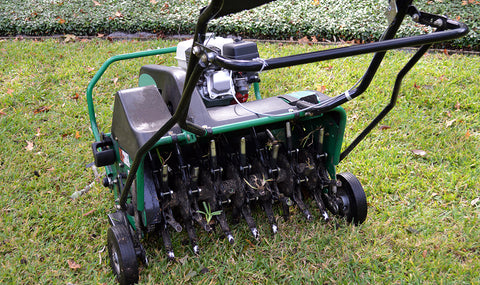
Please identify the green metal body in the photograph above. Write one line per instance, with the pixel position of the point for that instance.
(333, 122)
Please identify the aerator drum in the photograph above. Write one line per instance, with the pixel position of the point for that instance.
(187, 149)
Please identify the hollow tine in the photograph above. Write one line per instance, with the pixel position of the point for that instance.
(192, 236)
(167, 242)
(285, 210)
(222, 220)
(321, 206)
(172, 222)
(195, 174)
(275, 149)
(213, 154)
(247, 214)
(243, 152)
(297, 197)
(165, 174)
(288, 136)
(285, 201)
(321, 135)
(267, 206)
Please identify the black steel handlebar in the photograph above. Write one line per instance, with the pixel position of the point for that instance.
(453, 30)
(257, 65)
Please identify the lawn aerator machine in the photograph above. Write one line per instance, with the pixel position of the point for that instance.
(187, 149)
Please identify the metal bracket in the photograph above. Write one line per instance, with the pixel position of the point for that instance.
(392, 11)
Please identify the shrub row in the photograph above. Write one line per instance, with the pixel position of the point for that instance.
(325, 19)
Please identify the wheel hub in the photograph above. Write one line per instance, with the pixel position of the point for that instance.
(115, 262)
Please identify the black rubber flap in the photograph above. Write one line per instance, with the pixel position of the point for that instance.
(138, 114)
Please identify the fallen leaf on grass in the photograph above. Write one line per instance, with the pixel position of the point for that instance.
(70, 38)
(96, 3)
(419, 152)
(468, 134)
(153, 2)
(304, 40)
(42, 109)
(77, 135)
(73, 265)
(90, 69)
(475, 201)
(76, 96)
(321, 88)
(412, 230)
(457, 106)
(29, 146)
(424, 253)
(79, 193)
(2, 113)
(190, 275)
(250, 243)
(448, 123)
(9, 91)
(118, 14)
(100, 35)
(88, 213)
(384, 127)
(183, 260)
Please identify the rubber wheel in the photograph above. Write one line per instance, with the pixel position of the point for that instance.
(123, 259)
(353, 196)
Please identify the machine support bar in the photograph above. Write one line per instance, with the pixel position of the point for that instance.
(391, 104)
(103, 68)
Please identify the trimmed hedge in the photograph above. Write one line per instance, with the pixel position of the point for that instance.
(325, 19)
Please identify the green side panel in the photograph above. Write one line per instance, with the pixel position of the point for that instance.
(140, 189)
(131, 220)
(252, 123)
(334, 131)
(146, 80)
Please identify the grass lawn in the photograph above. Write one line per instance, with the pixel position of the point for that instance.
(420, 170)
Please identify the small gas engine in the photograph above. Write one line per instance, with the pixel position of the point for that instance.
(218, 86)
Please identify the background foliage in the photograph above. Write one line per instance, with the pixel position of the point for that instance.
(330, 20)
